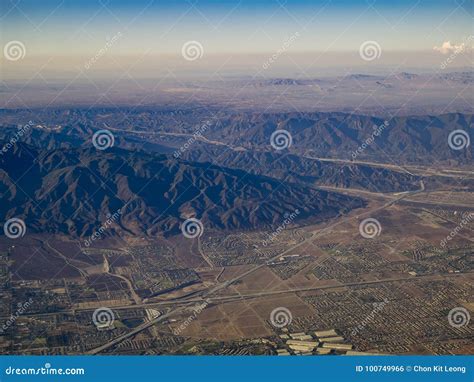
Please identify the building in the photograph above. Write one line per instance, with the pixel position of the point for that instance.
(333, 339)
(336, 346)
(304, 343)
(325, 333)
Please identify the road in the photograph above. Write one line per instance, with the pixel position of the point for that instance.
(227, 298)
(203, 255)
(196, 137)
(136, 298)
(235, 297)
(66, 260)
(395, 196)
(411, 169)
(191, 304)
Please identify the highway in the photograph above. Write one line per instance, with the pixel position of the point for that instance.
(411, 169)
(227, 298)
(394, 196)
(189, 305)
(192, 302)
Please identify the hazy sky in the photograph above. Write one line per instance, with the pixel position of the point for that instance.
(63, 33)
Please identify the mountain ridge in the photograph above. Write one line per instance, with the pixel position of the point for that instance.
(74, 191)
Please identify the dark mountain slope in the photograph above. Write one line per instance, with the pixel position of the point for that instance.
(73, 191)
(299, 169)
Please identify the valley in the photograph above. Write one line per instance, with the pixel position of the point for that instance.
(329, 238)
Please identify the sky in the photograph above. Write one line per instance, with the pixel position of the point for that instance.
(65, 34)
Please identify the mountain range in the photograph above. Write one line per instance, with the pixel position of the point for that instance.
(74, 191)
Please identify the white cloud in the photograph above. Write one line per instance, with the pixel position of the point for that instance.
(448, 48)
